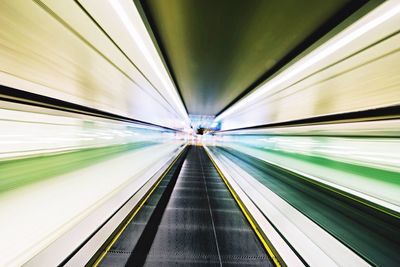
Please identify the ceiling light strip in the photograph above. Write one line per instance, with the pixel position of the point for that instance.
(368, 23)
(158, 68)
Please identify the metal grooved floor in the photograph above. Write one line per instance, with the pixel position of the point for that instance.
(200, 225)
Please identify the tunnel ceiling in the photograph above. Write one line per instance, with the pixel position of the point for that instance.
(217, 50)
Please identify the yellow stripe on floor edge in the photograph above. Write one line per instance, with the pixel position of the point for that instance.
(246, 214)
(104, 253)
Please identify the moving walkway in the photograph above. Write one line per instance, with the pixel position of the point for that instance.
(190, 218)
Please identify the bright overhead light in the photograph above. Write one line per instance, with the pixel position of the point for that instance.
(132, 28)
(388, 11)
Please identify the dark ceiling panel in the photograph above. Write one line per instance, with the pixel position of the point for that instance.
(218, 49)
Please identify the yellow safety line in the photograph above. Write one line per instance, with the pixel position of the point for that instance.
(246, 214)
(104, 253)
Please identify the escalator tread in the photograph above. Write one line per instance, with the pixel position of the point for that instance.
(201, 224)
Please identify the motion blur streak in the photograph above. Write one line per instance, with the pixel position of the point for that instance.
(44, 152)
(365, 62)
(289, 156)
(367, 165)
(71, 59)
